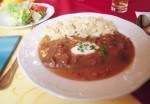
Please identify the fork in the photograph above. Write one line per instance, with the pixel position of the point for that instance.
(6, 80)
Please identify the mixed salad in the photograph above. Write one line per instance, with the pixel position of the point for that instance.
(21, 14)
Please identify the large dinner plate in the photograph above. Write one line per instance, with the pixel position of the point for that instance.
(121, 84)
(50, 11)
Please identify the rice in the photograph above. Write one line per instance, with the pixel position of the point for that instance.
(81, 27)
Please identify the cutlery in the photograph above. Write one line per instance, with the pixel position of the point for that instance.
(144, 22)
(6, 80)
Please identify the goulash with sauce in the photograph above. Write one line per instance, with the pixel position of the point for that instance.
(83, 56)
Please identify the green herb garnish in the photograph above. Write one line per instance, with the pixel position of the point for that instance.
(114, 42)
(92, 47)
(82, 47)
(103, 52)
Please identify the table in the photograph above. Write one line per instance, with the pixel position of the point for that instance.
(100, 6)
(22, 91)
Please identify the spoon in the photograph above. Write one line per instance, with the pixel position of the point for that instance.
(144, 22)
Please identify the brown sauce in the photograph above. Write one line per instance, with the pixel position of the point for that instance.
(115, 54)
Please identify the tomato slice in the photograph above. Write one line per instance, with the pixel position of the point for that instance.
(38, 8)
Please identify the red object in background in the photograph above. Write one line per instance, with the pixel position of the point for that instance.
(100, 6)
(38, 8)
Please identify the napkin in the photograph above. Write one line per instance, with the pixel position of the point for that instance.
(144, 13)
(7, 47)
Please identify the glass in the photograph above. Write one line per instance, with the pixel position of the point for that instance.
(119, 6)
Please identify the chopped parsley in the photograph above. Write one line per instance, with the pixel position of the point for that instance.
(103, 52)
(87, 46)
(114, 42)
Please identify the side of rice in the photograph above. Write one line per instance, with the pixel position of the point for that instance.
(82, 27)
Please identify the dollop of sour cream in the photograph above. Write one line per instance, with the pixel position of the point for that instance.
(84, 48)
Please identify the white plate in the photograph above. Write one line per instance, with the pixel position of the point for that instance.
(50, 11)
(118, 85)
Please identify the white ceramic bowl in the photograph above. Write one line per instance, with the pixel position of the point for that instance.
(121, 84)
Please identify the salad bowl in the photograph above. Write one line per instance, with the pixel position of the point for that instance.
(49, 12)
